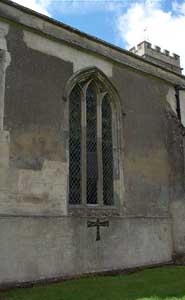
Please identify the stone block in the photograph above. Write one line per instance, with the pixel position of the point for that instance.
(38, 248)
(4, 149)
(178, 225)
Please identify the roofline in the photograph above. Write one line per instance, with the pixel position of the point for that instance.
(56, 22)
(91, 38)
(68, 27)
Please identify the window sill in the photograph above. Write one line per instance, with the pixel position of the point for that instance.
(93, 211)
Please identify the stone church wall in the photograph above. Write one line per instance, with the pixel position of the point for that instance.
(38, 237)
(46, 247)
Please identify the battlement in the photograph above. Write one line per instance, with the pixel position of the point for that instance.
(155, 55)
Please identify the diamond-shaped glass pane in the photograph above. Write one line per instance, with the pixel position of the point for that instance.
(91, 134)
(107, 152)
(75, 147)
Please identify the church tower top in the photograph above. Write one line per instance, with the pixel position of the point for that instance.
(155, 55)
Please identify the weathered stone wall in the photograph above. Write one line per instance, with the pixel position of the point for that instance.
(38, 238)
(33, 167)
(35, 120)
(34, 105)
(38, 248)
(28, 192)
(146, 162)
(176, 152)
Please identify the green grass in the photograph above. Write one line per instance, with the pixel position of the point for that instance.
(151, 284)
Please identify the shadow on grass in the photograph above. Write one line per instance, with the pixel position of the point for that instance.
(166, 283)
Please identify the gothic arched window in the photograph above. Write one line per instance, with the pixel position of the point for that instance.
(94, 167)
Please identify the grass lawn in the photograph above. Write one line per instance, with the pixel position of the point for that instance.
(152, 284)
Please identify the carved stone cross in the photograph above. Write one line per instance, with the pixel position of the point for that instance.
(98, 224)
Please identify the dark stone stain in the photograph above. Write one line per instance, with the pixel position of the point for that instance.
(148, 159)
(176, 156)
(34, 107)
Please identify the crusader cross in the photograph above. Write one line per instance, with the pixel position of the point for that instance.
(98, 224)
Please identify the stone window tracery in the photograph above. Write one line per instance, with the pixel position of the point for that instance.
(95, 173)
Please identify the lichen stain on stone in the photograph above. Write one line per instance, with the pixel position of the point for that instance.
(29, 149)
(32, 199)
(154, 167)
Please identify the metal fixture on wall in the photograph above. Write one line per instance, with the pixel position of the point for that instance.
(98, 223)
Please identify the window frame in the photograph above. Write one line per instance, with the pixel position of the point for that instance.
(87, 76)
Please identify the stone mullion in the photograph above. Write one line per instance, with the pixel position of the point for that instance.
(4, 135)
(115, 149)
(4, 62)
(2, 86)
(84, 144)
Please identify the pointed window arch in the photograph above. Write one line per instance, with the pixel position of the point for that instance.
(95, 172)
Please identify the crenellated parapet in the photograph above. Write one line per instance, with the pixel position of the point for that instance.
(157, 56)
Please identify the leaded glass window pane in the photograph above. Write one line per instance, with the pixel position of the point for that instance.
(75, 147)
(107, 152)
(91, 135)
